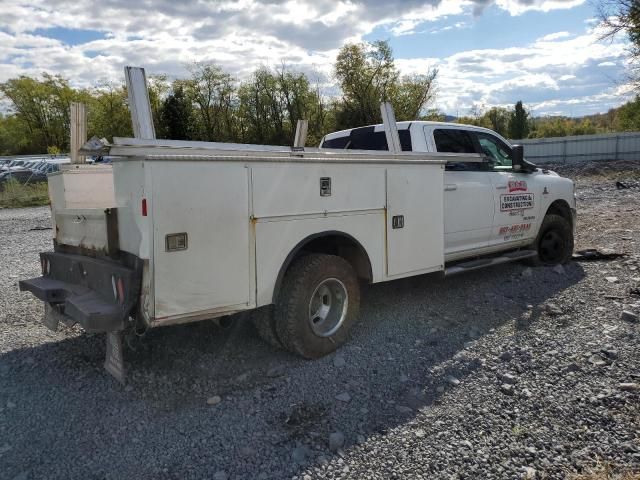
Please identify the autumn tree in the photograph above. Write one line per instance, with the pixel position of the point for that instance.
(623, 17)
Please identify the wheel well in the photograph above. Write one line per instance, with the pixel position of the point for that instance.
(562, 208)
(331, 243)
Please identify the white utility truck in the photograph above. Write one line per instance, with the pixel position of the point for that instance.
(180, 231)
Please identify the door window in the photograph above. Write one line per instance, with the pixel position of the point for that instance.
(366, 138)
(498, 152)
(449, 140)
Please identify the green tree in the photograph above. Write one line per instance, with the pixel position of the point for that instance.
(158, 88)
(272, 102)
(14, 137)
(367, 76)
(42, 106)
(214, 96)
(551, 127)
(107, 112)
(176, 113)
(628, 116)
(519, 122)
(434, 115)
(262, 111)
(497, 119)
(583, 127)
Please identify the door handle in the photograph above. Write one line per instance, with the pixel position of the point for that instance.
(449, 187)
(501, 187)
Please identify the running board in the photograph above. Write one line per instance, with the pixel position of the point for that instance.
(489, 262)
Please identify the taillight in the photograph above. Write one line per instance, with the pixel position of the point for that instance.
(144, 207)
(120, 286)
(118, 289)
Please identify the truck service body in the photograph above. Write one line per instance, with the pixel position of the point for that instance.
(182, 231)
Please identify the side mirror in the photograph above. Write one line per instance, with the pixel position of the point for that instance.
(517, 157)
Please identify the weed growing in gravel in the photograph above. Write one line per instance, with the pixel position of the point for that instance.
(15, 195)
(606, 471)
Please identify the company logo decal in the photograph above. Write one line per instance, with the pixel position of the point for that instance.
(517, 186)
(516, 201)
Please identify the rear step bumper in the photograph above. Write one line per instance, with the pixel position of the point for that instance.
(98, 294)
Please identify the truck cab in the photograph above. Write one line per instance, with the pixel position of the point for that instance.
(489, 206)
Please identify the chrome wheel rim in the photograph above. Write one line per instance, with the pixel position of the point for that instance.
(328, 307)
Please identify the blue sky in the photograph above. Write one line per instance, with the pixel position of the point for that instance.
(488, 52)
(495, 28)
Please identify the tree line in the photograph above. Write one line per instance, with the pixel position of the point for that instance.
(517, 123)
(212, 105)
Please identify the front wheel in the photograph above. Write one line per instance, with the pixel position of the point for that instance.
(318, 303)
(554, 243)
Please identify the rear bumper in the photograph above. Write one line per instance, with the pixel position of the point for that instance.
(99, 294)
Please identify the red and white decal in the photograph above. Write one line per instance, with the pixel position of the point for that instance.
(517, 228)
(517, 186)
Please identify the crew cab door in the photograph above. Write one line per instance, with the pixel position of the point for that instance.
(515, 195)
(468, 193)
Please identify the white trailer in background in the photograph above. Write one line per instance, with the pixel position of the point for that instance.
(183, 231)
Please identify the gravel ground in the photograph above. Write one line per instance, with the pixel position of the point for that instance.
(509, 372)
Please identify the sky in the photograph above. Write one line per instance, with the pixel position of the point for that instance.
(487, 52)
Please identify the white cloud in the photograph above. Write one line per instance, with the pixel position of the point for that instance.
(545, 75)
(518, 7)
(554, 36)
(240, 35)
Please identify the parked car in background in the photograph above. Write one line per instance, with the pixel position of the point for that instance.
(23, 177)
(12, 165)
(46, 163)
(46, 168)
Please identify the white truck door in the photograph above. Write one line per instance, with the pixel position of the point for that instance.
(515, 194)
(415, 240)
(200, 214)
(468, 193)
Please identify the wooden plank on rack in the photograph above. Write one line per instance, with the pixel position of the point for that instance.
(78, 131)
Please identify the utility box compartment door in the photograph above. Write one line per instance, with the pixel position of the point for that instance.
(200, 237)
(415, 221)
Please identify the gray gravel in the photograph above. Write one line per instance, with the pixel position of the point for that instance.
(503, 373)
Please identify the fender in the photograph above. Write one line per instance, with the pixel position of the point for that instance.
(295, 252)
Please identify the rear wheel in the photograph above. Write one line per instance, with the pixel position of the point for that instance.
(318, 303)
(554, 243)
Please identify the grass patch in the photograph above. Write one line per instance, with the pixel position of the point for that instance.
(15, 195)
